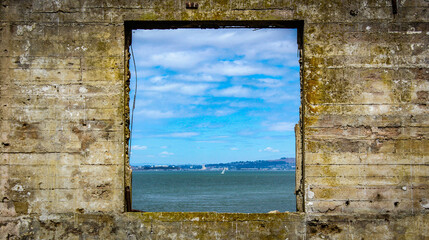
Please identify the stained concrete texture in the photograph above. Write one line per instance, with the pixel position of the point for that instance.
(363, 132)
(215, 226)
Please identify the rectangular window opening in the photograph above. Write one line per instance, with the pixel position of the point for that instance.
(217, 123)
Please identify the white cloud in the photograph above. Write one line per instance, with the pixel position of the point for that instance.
(224, 112)
(242, 104)
(184, 134)
(139, 147)
(210, 141)
(233, 149)
(269, 95)
(269, 82)
(234, 91)
(178, 135)
(142, 103)
(143, 73)
(282, 126)
(165, 154)
(168, 101)
(209, 125)
(278, 96)
(182, 88)
(200, 78)
(269, 149)
(181, 49)
(157, 79)
(194, 89)
(240, 68)
(282, 41)
(287, 52)
(175, 59)
(155, 114)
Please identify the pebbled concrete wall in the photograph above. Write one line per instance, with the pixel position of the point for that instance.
(364, 120)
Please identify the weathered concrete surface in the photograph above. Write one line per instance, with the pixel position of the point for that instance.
(364, 120)
(214, 226)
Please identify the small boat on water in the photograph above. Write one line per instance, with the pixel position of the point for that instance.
(223, 171)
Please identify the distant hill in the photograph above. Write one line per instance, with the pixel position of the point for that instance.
(277, 164)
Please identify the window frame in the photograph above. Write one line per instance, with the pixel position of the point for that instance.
(129, 26)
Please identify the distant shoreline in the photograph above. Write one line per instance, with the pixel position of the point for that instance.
(282, 164)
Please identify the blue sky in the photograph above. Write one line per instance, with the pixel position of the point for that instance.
(214, 95)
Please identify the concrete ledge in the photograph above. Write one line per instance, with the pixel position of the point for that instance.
(215, 217)
(207, 225)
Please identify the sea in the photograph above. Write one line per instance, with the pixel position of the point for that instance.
(212, 191)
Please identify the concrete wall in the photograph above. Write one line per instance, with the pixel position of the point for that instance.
(364, 125)
(215, 226)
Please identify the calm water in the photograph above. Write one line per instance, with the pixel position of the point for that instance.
(207, 191)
